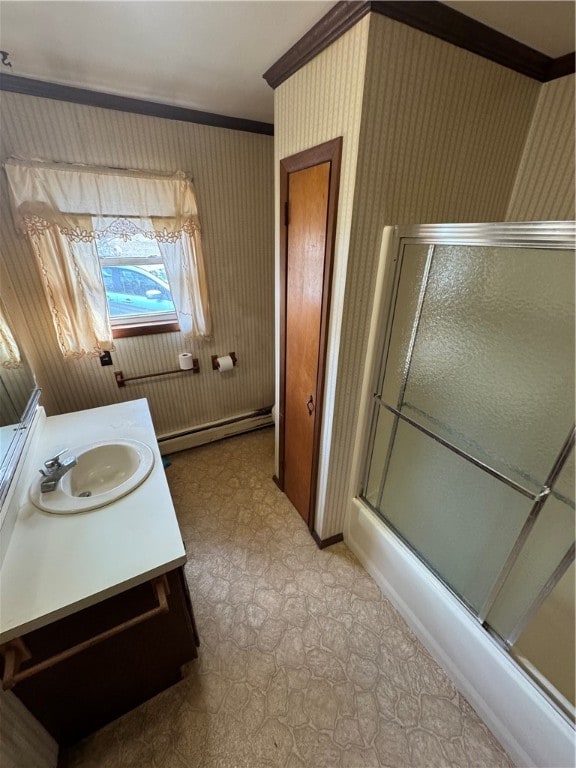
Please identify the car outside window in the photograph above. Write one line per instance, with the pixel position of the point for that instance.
(137, 288)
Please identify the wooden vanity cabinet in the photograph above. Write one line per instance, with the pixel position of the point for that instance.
(99, 663)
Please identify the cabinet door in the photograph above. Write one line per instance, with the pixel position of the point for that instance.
(111, 674)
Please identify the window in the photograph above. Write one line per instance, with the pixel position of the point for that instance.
(137, 287)
(119, 252)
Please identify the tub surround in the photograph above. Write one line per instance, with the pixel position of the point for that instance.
(56, 565)
(529, 727)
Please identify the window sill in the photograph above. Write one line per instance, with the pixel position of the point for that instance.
(145, 329)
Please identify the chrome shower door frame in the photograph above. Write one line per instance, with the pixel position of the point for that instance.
(548, 235)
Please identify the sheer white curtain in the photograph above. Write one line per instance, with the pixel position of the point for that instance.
(9, 352)
(64, 210)
(184, 265)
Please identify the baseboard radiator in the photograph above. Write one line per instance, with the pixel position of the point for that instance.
(215, 430)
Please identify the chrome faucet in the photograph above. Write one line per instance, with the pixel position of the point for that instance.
(54, 470)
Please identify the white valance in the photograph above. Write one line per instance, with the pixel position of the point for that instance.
(44, 194)
(66, 209)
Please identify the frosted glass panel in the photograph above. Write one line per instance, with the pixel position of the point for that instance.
(462, 521)
(547, 643)
(479, 355)
(492, 366)
(410, 286)
(379, 452)
(549, 540)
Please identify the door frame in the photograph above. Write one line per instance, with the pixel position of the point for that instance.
(329, 151)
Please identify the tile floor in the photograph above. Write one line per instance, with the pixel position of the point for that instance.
(303, 663)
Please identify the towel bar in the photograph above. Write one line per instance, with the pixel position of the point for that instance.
(121, 379)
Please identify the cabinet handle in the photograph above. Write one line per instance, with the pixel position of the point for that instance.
(15, 651)
(310, 405)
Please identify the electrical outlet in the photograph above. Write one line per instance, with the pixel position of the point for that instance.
(106, 358)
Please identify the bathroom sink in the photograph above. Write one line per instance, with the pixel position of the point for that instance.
(105, 471)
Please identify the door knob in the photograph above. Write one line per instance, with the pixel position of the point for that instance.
(310, 405)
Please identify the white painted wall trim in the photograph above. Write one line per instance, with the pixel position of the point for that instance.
(14, 497)
(23, 741)
(215, 430)
(527, 725)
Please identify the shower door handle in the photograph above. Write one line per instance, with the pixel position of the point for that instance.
(310, 405)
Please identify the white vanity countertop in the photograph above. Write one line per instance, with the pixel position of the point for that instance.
(58, 564)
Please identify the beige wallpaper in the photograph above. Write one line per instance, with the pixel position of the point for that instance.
(233, 177)
(544, 188)
(441, 137)
(320, 102)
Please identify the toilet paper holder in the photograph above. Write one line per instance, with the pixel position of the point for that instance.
(216, 365)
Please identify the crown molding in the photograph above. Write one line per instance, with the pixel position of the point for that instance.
(565, 65)
(339, 19)
(433, 18)
(47, 90)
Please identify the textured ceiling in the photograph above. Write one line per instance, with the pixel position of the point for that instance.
(207, 55)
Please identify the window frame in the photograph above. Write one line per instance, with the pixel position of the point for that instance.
(142, 324)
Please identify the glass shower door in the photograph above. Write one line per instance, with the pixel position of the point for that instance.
(473, 417)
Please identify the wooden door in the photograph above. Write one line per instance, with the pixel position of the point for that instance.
(309, 183)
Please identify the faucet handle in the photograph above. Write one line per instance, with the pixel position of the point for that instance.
(54, 462)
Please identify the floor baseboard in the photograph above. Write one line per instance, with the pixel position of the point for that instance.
(323, 543)
(217, 430)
